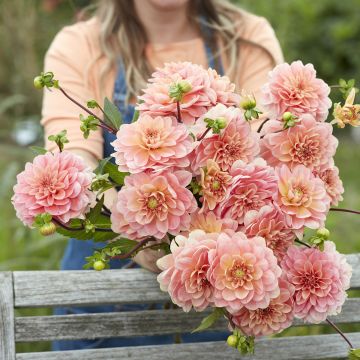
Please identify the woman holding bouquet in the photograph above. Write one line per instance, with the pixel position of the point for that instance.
(114, 53)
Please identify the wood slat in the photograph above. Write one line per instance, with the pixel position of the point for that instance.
(63, 288)
(290, 348)
(7, 335)
(135, 323)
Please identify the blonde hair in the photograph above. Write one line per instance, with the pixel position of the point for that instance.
(120, 25)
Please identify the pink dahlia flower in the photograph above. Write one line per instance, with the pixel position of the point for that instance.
(224, 89)
(295, 88)
(215, 185)
(253, 186)
(184, 271)
(152, 143)
(210, 223)
(56, 184)
(333, 184)
(321, 279)
(207, 89)
(236, 142)
(156, 99)
(153, 204)
(269, 223)
(273, 319)
(309, 143)
(302, 198)
(244, 273)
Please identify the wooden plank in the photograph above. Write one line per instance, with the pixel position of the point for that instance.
(62, 288)
(136, 323)
(290, 348)
(7, 333)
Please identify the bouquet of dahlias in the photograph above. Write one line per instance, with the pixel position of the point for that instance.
(227, 205)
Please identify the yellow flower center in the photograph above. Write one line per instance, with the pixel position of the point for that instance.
(239, 273)
(152, 203)
(215, 185)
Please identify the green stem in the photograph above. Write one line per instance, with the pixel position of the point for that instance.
(204, 134)
(178, 112)
(79, 228)
(340, 333)
(303, 243)
(135, 249)
(262, 125)
(102, 124)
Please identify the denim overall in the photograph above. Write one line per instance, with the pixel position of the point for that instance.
(76, 251)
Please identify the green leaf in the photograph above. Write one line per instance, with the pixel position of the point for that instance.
(136, 116)
(113, 116)
(125, 245)
(95, 212)
(115, 175)
(354, 354)
(100, 168)
(209, 320)
(38, 150)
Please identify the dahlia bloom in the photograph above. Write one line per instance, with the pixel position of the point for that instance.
(273, 319)
(236, 142)
(333, 184)
(184, 271)
(210, 223)
(295, 88)
(244, 273)
(153, 204)
(309, 143)
(53, 183)
(269, 223)
(253, 186)
(215, 185)
(320, 278)
(302, 198)
(347, 114)
(152, 143)
(206, 89)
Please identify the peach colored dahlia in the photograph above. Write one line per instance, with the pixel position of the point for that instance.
(236, 142)
(210, 223)
(273, 319)
(302, 198)
(53, 183)
(153, 204)
(295, 88)
(333, 184)
(244, 273)
(215, 185)
(156, 99)
(269, 223)
(253, 186)
(309, 143)
(152, 143)
(321, 279)
(184, 271)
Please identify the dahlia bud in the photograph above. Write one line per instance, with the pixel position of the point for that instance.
(38, 83)
(323, 233)
(99, 265)
(177, 90)
(232, 341)
(47, 229)
(221, 123)
(289, 120)
(248, 103)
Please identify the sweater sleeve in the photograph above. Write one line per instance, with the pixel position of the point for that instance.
(69, 58)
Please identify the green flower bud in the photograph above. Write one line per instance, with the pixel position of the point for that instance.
(287, 116)
(323, 233)
(354, 354)
(221, 123)
(99, 265)
(248, 103)
(47, 229)
(184, 86)
(232, 341)
(38, 82)
(92, 104)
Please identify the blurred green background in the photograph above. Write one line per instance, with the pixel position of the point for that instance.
(326, 33)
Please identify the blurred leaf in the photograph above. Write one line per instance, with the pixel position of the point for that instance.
(113, 116)
(210, 320)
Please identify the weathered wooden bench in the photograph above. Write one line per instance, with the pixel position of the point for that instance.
(32, 289)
